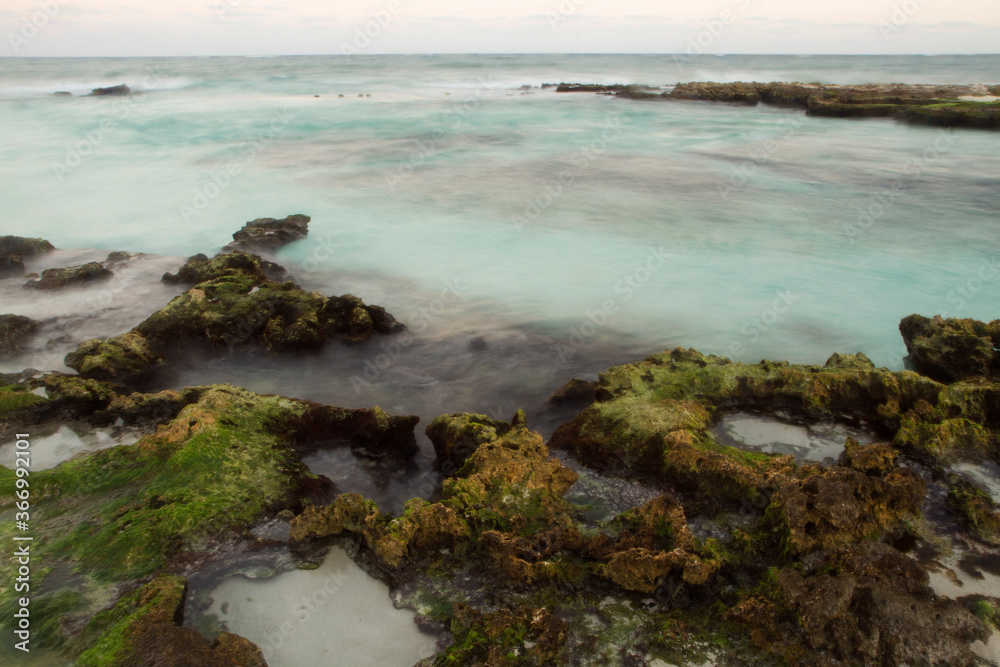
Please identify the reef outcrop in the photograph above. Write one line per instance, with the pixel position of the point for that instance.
(233, 303)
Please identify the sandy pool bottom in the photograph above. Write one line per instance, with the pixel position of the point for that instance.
(333, 615)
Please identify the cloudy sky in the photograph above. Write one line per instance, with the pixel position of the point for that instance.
(265, 27)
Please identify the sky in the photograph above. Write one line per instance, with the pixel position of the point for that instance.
(286, 27)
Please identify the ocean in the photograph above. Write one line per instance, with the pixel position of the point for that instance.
(569, 232)
(525, 236)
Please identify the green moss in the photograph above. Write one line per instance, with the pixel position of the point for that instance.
(108, 634)
(129, 509)
(986, 613)
(15, 398)
(977, 510)
(48, 612)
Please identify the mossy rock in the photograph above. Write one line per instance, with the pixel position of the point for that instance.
(13, 250)
(680, 394)
(15, 399)
(15, 330)
(199, 269)
(979, 115)
(954, 349)
(976, 510)
(237, 308)
(73, 276)
(455, 437)
(127, 358)
(144, 627)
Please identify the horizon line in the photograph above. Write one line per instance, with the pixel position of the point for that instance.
(506, 53)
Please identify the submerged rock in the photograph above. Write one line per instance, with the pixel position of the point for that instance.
(952, 350)
(53, 279)
(111, 91)
(14, 331)
(269, 234)
(574, 391)
(13, 250)
(234, 303)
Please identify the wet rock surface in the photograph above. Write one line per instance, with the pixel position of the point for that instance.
(234, 302)
(53, 279)
(120, 90)
(935, 105)
(952, 350)
(14, 331)
(269, 234)
(728, 551)
(211, 462)
(13, 250)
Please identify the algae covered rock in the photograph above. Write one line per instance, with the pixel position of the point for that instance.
(240, 305)
(199, 269)
(879, 609)
(269, 234)
(647, 411)
(456, 437)
(952, 350)
(145, 627)
(13, 250)
(842, 506)
(126, 358)
(53, 279)
(574, 391)
(15, 330)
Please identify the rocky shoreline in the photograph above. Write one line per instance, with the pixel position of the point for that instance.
(742, 556)
(971, 106)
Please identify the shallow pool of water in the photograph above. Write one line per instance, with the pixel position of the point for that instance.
(813, 443)
(334, 615)
(50, 450)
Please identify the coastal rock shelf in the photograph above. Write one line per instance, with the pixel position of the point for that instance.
(974, 106)
(237, 299)
(713, 509)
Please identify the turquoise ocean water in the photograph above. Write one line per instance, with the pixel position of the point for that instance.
(570, 231)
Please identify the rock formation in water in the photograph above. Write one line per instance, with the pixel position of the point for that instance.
(269, 234)
(758, 555)
(234, 302)
(945, 105)
(120, 90)
(952, 350)
(13, 250)
(15, 330)
(53, 279)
